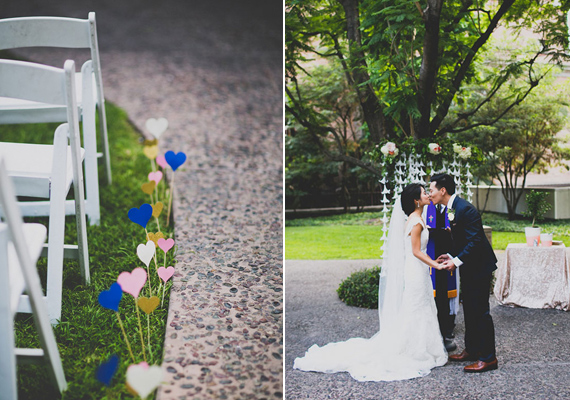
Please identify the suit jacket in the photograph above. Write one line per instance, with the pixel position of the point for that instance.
(470, 244)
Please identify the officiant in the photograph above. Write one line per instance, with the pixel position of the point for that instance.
(445, 283)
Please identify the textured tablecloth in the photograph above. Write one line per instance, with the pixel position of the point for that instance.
(533, 277)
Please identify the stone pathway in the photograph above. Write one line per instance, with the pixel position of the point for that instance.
(532, 345)
(215, 71)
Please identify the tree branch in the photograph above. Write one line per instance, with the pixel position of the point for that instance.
(463, 67)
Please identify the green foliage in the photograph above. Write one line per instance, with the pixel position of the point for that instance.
(390, 56)
(87, 333)
(537, 205)
(360, 289)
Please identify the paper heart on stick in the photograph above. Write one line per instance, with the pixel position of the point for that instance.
(143, 378)
(160, 160)
(165, 273)
(157, 209)
(107, 370)
(165, 244)
(146, 252)
(148, 304)
(155, 176)
(111, 298)
(154, 237)
(174, 160)
(150, 151)
(141, 215)
(156, 127)
(132, 282)
(148, 187)
(148, 142)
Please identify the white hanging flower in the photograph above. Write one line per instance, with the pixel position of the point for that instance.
(461, 151)
(389, 149)
(434, 148)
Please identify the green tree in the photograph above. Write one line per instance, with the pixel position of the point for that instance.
(307, 168)
(406, 62)
(522, 141)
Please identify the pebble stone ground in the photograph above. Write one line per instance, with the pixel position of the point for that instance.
(532, 345)
(215, 71)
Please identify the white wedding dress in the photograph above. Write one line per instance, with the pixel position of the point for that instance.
(408, 344)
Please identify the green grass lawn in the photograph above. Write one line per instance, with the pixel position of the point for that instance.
(333, 242)
(89, 334)
(350, 238)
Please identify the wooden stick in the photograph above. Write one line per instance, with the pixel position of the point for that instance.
(148, 334)
(170, 198)
(125, 336)
(147, 267)
(140, 327)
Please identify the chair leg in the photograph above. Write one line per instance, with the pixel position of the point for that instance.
(8, 381)
(80, 211)
(105, 139)
(90, 144)
(56, 232)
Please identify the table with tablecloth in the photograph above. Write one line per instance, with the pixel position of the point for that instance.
(534, 277)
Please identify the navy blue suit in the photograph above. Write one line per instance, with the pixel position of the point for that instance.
(471, 246)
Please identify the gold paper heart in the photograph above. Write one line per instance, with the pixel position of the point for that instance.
(154, 237)
(151, 151)
(148, 188)
(148, 304)
(149, 142)
(157, 209)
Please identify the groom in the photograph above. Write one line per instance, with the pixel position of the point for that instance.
(476, 260)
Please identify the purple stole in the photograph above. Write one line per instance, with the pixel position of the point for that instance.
(431, 216)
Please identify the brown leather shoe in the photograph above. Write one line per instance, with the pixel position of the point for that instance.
(482, 366)
(463, 356)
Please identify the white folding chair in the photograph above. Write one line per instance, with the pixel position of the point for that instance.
(20, 248)
(47, 171)
(64, 33)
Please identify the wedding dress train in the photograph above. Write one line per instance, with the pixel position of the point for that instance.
(408, 344)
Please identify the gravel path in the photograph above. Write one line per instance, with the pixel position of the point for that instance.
(532, 345)
(214, 70)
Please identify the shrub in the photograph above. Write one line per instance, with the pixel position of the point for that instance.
(360, 289)
(537, 205)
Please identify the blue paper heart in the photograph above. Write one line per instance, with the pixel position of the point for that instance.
(106, 370)
(111, 298)
(141, 215)
(174, 160)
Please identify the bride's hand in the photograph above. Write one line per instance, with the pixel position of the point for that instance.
(438, 266)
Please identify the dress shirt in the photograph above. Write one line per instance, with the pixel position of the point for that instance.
(456, 261)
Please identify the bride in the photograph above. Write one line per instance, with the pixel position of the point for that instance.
(408, 344)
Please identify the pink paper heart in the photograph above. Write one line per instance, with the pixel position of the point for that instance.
(165, 244)
(160, 160)
(132, 282)
(155, 176)
(165, 273)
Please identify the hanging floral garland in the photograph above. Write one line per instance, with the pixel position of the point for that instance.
(416, 161)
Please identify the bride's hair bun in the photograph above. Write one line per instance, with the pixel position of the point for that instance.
(411, 192)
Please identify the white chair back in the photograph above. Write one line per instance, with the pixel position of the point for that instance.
(64, 33)
(49, 170)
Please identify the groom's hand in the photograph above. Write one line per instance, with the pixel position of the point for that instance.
(448, 265)
(442, 258)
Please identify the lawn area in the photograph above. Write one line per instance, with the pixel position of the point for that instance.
(356, 236)
(333, 242)
(89, 334)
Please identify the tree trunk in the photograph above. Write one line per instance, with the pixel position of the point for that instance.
(371, 108)
(428, 69)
